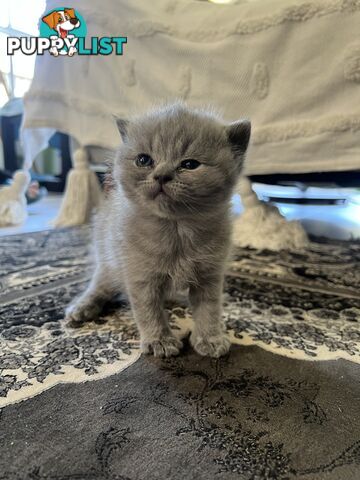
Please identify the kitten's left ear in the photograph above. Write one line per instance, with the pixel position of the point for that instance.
(122, 127)
(239, 134)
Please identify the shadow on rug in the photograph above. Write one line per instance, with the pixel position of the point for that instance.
(251, 415)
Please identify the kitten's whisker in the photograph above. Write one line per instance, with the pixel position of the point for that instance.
(192, 208)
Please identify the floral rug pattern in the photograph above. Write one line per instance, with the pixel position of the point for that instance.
(304, 305)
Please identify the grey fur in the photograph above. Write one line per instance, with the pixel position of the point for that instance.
(150, 244)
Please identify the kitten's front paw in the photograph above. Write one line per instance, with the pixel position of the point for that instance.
(79, 313)
(215, 346)
(167, 346)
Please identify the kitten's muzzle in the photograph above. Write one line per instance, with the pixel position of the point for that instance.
(158, 190)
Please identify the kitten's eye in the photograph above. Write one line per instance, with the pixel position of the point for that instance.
(190, 164)
(144, 160)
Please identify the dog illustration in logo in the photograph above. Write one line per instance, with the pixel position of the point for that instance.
(62, 21)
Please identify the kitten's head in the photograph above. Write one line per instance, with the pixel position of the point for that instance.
(176, 161)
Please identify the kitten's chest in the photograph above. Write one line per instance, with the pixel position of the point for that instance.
(178, 252)
(177, 256)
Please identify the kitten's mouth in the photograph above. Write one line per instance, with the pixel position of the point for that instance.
(160, 192)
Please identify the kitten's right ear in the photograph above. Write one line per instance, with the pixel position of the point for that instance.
(239, 134)
(122, 127)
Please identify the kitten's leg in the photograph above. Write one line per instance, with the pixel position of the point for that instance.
(147, 302)
(208, 337)
(89, 304)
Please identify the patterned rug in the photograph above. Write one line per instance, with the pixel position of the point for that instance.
(271, 409)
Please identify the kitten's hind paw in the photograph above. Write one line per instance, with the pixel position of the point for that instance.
(79, 313)
(215, 346)
(168, 346)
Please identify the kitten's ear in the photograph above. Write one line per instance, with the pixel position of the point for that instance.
(239, 134)
(122, 127)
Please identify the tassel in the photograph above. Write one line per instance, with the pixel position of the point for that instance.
(82, 193)
(13, 206)
(262, 226)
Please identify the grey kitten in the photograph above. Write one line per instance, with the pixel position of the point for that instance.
(166, 225)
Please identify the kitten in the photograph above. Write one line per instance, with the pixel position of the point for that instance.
(166, 225)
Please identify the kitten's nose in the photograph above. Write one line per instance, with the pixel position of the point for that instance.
(163, 178)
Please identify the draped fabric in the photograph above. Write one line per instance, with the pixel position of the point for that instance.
(293, 67)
